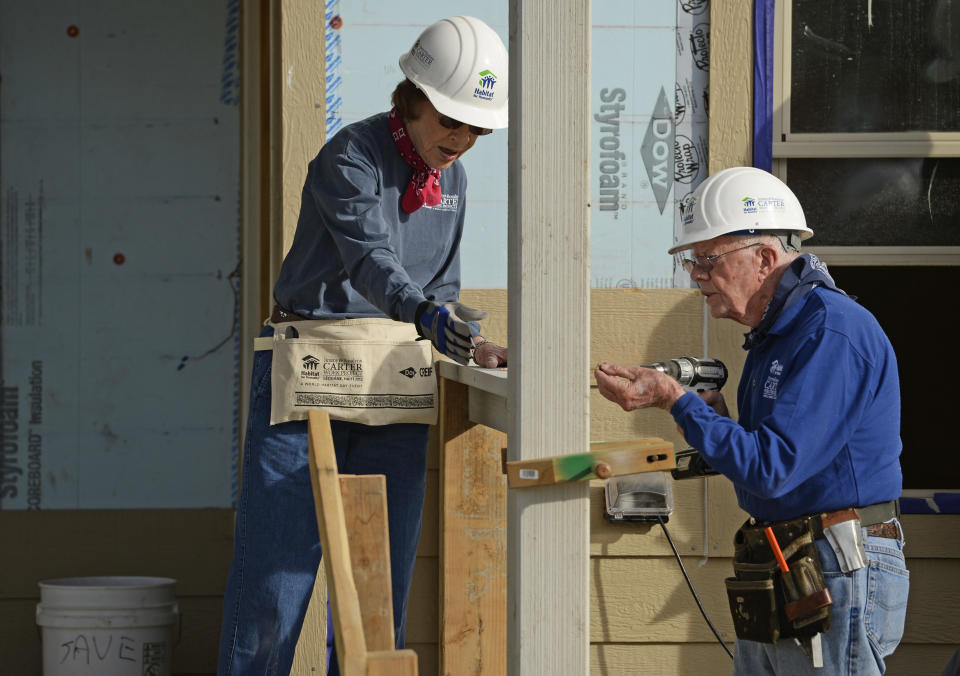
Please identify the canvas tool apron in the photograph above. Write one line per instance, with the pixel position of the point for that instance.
(372, 371)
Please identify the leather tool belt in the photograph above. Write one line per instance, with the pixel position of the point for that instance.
(768, 604)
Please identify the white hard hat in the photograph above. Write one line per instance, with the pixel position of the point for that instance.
(461, 65)
(740, 200)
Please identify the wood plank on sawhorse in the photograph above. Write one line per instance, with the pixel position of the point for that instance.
(356, 656)
(605, 459)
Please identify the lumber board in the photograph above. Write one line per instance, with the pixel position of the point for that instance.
(606, 459)
(549, 323)
(344, 601)
(392, 663)
(473, 602)
(365, 508)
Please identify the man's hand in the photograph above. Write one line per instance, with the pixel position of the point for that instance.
(447, 326)
(634, 387)
(489, 355)
(715, 401)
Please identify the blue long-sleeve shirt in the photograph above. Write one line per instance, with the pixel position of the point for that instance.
(819, 404)
(356, 253)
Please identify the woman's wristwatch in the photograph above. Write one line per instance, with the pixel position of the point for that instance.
(477, 342)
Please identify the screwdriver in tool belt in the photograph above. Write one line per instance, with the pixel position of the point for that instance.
(782, 562)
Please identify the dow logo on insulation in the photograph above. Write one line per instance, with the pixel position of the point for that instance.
(657, 150)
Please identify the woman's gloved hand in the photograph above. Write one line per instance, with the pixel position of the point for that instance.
(448, 327)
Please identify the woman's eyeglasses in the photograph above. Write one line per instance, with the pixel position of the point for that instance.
(450, 123)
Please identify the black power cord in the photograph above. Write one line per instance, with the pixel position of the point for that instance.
(693, 591)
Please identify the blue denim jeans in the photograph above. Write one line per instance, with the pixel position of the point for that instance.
(869, 606)
(277, 543)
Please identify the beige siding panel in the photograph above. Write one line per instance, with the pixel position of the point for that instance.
(494, 303)
(708, 659)
(609, 422)
(638, 600)
(925, 536)
(427, 658)
(645, 600)
(310, 655)
(731, 85)
(660, 659)
(911, 659)
(299, 90)
(423, 624)
(193, 546)
(685, 524)
(924, 532)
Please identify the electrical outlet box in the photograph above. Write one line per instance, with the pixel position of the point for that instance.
(646, 497)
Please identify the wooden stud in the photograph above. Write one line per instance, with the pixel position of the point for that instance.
(549, 318)
(392, 663)
(473, 598)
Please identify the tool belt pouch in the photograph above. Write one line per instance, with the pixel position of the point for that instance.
(767, 604)
(371, 371)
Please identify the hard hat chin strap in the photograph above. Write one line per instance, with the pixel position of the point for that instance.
(790, 240)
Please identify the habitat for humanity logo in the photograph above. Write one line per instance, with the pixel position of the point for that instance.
(753, 205)
(311, 367)
(487, 82)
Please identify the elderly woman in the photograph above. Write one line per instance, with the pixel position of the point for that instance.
(373, 268)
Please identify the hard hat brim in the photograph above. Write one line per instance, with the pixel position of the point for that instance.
(492, 119)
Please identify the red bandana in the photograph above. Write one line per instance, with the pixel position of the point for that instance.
(424, 185)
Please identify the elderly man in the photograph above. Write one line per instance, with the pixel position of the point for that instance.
(815, 453)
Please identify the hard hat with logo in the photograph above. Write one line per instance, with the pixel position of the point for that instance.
(461, 65)
(740, 201)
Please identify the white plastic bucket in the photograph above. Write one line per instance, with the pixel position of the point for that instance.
(108, 626)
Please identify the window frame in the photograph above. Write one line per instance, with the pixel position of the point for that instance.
(911, 144)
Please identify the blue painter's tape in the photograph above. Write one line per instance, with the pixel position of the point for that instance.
(334, 64)
(230, 78)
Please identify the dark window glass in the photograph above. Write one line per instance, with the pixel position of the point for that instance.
(875, 66)
(905, 300)
(891, 202)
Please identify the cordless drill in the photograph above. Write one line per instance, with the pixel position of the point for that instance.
(695, 375)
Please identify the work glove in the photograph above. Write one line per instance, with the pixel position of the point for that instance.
(449, 326)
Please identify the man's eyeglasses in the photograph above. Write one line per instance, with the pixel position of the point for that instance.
(705, 263)
(450, 123)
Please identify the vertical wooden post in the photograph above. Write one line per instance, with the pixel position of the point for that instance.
(549, 319)
(473, 538)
